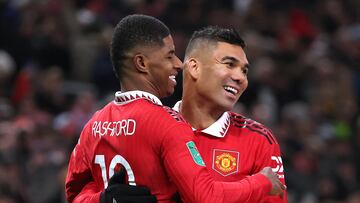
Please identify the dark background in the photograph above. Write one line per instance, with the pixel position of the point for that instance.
(304, 84)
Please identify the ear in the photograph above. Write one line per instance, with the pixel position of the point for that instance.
(193, 67)
(140, 63)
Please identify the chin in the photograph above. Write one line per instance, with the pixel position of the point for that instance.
(225, 107)
(228, 106)
(169, 93)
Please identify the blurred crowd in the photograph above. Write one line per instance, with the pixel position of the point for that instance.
(304, 84)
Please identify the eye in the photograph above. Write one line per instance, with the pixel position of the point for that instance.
(245, 71)
(170, 55)
(230, 64)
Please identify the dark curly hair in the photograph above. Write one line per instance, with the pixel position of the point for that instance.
(135, 30)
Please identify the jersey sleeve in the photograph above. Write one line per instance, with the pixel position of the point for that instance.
(89, 194)
(187, 170)
(79, 173)
(270, 155)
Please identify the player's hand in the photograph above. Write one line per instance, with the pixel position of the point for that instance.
(277, 187)
(119, 192)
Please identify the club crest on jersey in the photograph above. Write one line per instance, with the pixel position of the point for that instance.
(225, 162)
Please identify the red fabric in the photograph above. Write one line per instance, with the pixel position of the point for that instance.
(256, 148)
(157, 154)
(89, 194)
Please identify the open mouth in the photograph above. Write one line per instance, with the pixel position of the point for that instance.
(172, 78)
(231, 90)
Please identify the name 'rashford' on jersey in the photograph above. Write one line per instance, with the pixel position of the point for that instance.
(155, 147)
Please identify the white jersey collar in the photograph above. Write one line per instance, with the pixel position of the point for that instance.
(129, 96)
(217, 129)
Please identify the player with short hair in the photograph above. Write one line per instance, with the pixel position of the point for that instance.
(215, 76)
(151, 142)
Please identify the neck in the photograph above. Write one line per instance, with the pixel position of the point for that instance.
(199, 113)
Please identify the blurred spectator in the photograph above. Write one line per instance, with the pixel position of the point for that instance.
(7, 68)
(48, 93)
(304, 84)
(70, 123)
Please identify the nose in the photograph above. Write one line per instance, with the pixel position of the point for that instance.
(177, 63)
(238, 75)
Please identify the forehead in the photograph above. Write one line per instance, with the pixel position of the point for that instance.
(168, 43)
(167, 47)
(225, 49)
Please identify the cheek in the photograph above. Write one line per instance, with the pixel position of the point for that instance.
(161, 68)
(244, 85)
(166, 67)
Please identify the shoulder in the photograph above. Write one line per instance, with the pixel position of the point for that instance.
(174, 114)
(160, 113)
(168, 123)
(255, 128)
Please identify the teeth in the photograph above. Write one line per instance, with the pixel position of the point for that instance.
(231, 89)
(172, 77)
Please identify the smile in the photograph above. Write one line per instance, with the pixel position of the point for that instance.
(172, 77)
(231, 90)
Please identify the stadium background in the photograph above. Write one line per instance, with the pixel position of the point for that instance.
(304, 84)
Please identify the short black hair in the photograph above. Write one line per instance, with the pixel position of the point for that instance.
(135, 30)
(215, 34)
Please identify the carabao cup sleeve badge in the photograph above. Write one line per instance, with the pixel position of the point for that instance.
(225, 162)
(195, 153)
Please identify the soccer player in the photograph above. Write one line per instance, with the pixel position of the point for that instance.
(215, 76)
(151, 142)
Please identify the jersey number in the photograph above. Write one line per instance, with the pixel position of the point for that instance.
(118, 159)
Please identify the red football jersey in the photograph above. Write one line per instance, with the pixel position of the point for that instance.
(235, 147)
(155, 147)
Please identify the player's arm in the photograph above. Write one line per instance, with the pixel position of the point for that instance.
(117, 190)
(80, 186)
(78, 175)
(187, 170)
(277, 167)
(89, 194)
(269, 154)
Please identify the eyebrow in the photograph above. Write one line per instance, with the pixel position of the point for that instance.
(229, 58)
(233, 59)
